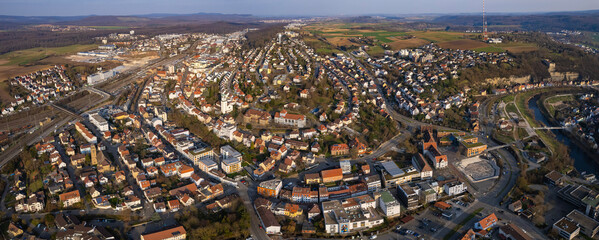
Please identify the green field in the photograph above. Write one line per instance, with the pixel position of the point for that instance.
(490, 49)
(439, 36)
(29, 56)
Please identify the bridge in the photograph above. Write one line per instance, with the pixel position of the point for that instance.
(67, 111)
(497, 147)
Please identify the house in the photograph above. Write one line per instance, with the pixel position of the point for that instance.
(70, 198)
(566, 228)
(304, 93)
(486, 223)
(312, 178)
(175, 233)
(174, 205)
(512, 231)
(314, 211)
(13, 231)
(442, 205)
(159, 207)
(470, 235)
(515, 206)
(339, 149)
(438, 159)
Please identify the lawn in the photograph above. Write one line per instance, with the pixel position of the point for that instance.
(508, 98)
(32, 55)
(511, 107)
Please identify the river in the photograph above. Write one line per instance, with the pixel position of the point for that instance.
(582, 162)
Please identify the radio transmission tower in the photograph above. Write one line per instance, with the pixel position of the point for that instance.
(485, 36)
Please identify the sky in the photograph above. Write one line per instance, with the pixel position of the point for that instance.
(283, 7)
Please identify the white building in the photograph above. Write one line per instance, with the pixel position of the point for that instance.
(345, 166)
(454, 188)
(388, 204)
(99, 122)
(350, 215)
(286, 118)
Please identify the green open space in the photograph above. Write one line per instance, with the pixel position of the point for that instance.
(29, 56)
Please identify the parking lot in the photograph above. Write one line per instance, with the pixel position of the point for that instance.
(429, 223)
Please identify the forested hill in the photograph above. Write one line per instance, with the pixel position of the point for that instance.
(580, 21)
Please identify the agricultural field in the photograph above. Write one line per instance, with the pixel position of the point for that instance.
(350, 35)
(514, 47)
(35, 59)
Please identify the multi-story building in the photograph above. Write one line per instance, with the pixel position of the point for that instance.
(332, 175)
(99, 122)
(472, 149)
(373, 182)
(566, 228)
(389, 204)
(349, 216)
(588, 226)
(454, 188)
(409, 196)
(258, 117)
(270, 188)
(231, 159)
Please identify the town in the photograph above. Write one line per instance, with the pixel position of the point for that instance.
(290, 134)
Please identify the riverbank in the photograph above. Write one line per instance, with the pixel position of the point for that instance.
(573, 137)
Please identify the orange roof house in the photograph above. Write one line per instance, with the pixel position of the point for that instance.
(487, 222)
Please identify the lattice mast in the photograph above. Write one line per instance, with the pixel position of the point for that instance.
(485, 35)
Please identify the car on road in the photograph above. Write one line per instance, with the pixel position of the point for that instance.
(373, 237)
(416, 234)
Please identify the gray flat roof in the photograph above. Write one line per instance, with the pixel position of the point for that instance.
(392, 169)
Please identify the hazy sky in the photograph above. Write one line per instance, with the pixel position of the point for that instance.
(282, 7)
